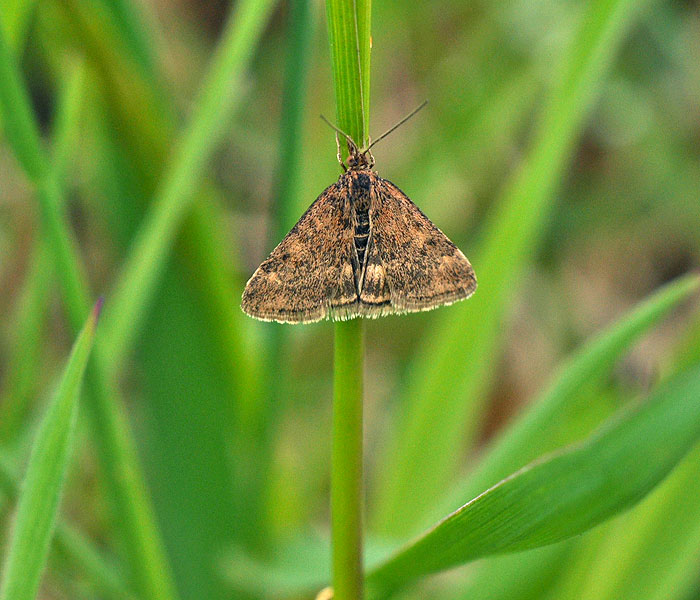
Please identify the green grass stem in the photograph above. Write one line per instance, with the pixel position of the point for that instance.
(346, 476)
(349, 35)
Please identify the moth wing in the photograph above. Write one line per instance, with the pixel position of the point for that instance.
(309, 275)
(421, 268)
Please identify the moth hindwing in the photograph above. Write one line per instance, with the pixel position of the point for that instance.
(361, 249)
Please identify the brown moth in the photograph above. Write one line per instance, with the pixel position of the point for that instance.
(362, 249)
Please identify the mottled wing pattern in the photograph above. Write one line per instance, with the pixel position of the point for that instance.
(410, 260)
(309, 275)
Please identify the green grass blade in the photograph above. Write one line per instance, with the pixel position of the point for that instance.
(198, 284)
(650, 553)
(519, 576)
(84, 558)
(29, 321)
(39, 500)
(219, 95)
(442, 401)
(22, 132)
(565, 494)
(349, 36)
(144, 128)
(534, 432)
(82, 555)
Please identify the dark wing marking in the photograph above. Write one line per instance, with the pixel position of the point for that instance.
(310, 274)
(422, 268)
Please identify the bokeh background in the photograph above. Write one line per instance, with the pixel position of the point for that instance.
(238, 473)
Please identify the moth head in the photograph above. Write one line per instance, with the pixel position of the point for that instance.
(358, 159)
(362, 159)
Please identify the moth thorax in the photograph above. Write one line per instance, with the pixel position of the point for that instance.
(357, 160)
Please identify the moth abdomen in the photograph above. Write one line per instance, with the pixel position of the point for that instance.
(361, 185)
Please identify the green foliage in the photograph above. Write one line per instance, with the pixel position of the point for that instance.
(112, 434)
(438, 408)
(157, 152)
(349, 35)
(548, 422)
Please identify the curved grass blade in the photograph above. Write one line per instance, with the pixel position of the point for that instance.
(532, 433)
(442, 400)
(527, 436)
(39, 499)
(564, 494)
(134, 289)
(147, 126)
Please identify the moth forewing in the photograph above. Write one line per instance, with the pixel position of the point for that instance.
(311, 269)
(423, 268)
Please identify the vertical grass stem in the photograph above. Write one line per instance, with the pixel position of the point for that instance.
(349, 37)
(346, 477)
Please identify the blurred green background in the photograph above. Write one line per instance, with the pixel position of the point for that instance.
(230, 417)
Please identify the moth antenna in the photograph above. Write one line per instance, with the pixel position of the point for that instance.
(338, 130)
(401, 122)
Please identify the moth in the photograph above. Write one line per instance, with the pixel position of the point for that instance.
(362, 249)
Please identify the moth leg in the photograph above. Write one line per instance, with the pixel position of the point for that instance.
(340, 154)
(369, 152)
